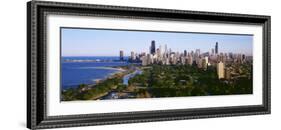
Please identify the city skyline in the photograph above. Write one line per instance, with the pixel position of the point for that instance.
(110, 42)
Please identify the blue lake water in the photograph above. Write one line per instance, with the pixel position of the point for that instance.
(75, 73)
(92, 58)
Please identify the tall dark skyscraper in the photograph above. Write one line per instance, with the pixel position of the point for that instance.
(185, 53)
(121, 55)
(152, 47)
(217, 48)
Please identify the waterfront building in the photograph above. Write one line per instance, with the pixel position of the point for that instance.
(121, 57)
(137, 56)
(217, 48)
(133, 57)
(152, 47)
(220, 70)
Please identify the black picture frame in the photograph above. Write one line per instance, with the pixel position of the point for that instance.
(36, 65)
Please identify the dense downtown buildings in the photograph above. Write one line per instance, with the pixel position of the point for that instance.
(227, 64)
(163, 72)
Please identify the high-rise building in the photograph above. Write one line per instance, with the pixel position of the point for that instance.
(144, 60)
(199, 63)
(239, 58)
(197, 52)
(220, 70)
(160, 50)
(205, 64)
(190, 59)
(152, 47)
(243, 58)
(227, 73)
(182, 60)
(133, 57)
(149, 59)
(185, 53)
(166, 49)
(121, 55)
(213, 51)
(207, 61)
(221, 58)
(217, 48)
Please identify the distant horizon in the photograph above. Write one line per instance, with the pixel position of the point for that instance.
(124, 55)
(77, 42)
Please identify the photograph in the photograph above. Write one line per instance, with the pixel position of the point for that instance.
(103, 64)
(100, 64)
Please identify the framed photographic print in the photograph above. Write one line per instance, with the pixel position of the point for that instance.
(99, 64)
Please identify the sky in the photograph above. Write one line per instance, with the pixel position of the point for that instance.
(97, 42)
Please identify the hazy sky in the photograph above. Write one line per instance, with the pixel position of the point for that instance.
(92, 42)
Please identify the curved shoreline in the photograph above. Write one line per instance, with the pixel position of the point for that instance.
(122, 73)
(105, 68)
(116, 69)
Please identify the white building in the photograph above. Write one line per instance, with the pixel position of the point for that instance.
(207, 59)
(220, 70)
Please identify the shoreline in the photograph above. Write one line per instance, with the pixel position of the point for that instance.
(120, 75)
(117, 69)
(105, 68)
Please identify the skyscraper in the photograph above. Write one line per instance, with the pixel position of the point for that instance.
(152, 47)
(133, 57)
(227, 73)
(217, 48)
(144, 60)
(220, 70)
(166, 49)
(160, 49)
(197, 52)
(185, 53)
(206, 59)
(158, 53)
(190, 59)
(205, 63)
(199, 63)
(121, 55)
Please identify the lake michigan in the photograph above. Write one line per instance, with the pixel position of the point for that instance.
(86, 70)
